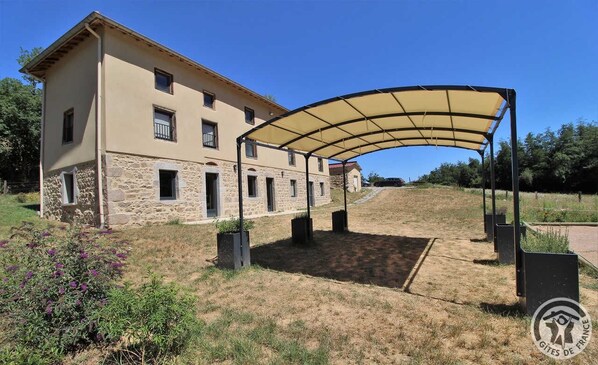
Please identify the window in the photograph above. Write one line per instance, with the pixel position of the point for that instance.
(68, 188)
(164, 124)
(167, 185)
(209, 99)
(293, 188)
(163, 81)
(320, 164)
(67, 126)
(209, 134)
(249, 116)
(252, 186)
(291, 158)
(250, 149)
(321, 189)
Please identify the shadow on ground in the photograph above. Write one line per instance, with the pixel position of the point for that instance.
(356, 257)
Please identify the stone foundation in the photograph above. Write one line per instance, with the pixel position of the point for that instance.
(132, 190)
(85, 209)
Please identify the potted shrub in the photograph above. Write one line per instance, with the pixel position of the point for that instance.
(302, 229)
(550, 270)
(505, 242)
(232, 254)
(339, 221)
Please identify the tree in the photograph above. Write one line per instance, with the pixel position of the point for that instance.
(373, 177)
(270, 97)
(24, 58)
(20, 114)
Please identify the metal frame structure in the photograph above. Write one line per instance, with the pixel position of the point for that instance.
(509, 96)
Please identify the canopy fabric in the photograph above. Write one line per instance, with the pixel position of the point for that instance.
(348, 126)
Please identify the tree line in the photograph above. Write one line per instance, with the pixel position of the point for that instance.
(552, 161)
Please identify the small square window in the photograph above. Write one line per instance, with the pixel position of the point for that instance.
(209, 134)
(249, 116)
(164, 124)
(321, 189)
(67, 126)
(68, 188)
(252, 186)
(320, 164)
(209, 99)
(163, 81)
(167, 185)
(250, 149)
(293, 188)
(291, 158)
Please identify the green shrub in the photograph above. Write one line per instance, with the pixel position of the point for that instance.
(232, 225)
(51, 285)
(152, 323)
(551, 241)
(302, 215)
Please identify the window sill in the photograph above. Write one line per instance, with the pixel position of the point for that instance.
(69, 204)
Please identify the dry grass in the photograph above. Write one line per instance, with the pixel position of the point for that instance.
(459, 307)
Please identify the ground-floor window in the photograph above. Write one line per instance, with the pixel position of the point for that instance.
(293, 188)
(321, 189)
(252, 186)
(69, 188)
(168, 185)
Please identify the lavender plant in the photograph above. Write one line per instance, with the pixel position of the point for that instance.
(53, 282)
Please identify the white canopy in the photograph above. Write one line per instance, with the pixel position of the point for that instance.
(348, 126)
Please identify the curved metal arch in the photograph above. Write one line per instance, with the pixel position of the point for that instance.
(503, 92)
(403, 146)
(387, 131)
(390, 115)
(411, 139)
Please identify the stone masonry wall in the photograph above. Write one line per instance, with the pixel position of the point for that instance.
(85, 209)
(132, 190)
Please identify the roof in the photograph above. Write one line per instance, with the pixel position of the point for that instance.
(337, 168)
(39, 65)
(348, 126)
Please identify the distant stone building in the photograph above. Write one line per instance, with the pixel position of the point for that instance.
(353, 171)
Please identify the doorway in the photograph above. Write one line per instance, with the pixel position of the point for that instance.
(312, 198)
(270, 194)
(212, 194)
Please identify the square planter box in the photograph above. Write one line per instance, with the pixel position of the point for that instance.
(231, 253)
(302, 230)
(500, 219)
(505, 242)
(339, 221)
(547, 276)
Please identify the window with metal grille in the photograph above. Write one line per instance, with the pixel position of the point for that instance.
(209, 134)
(164, 124)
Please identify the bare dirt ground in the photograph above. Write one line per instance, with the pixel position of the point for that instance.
(583, 240)
(345, 292)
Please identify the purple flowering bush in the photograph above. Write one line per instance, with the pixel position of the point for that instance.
(53, 283)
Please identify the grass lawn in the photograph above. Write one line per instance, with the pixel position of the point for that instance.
(351, 299)
(308, 306)
(15, 209)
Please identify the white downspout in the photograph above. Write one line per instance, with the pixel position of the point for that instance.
(99, 127)
(41, 152)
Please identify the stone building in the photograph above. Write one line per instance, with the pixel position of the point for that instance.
(159, 129)
(353, 179)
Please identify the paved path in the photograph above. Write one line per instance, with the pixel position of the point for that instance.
(583, 240)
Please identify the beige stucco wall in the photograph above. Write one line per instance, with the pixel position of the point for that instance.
(71, 83)
(131, 97)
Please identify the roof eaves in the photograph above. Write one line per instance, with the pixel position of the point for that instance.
(97, 16)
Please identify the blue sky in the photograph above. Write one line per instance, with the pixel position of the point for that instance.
(305, 51)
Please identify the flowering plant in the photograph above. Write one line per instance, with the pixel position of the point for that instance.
(53, 282)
